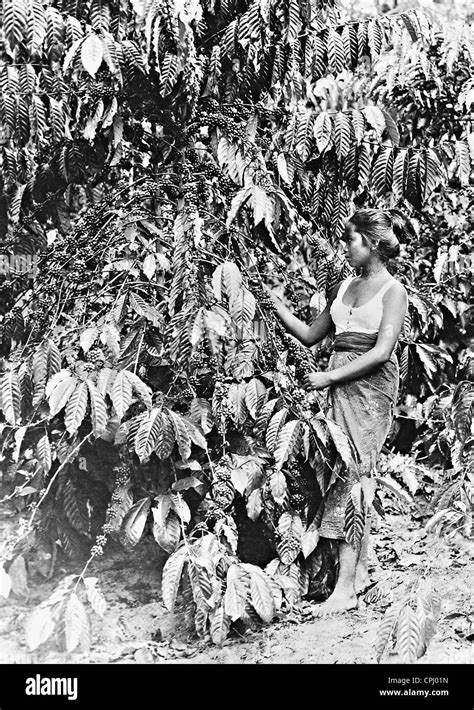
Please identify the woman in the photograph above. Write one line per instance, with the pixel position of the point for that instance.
(367, 312)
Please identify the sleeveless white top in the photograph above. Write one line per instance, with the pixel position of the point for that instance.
(363, 319)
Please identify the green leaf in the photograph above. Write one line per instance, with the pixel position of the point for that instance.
(164, 505)
(92, 53)
(76, 408)
(201, 414)
(195, 434)
(341, 441)
(254, 504)
(242, 308)
(375, 118)
(239, 478)
(310, 539)
(148, 434)
(61, 394)
(39, 627)
(95, 596)
(322, 130)
(105, 380)
(287, 442)
(11, 401)
(220, 624)
(385, 631)
(183, 438)
(121, 393)
(358, 123)
(167, 534)
(142, 308)
(134, 521)
(236, 591)
(171, 577)
(98, 409)
(342, 134)
(400, 168)
(273, 429)
(408, 634)
(392, 485)
(263, 208)
(255, 395)
(227, 280)
(236, 400)
(392, 128)
(43, 453)
(375, 37)
(76, 622)
(260, 593)
(336, 55)
(140, 388)
(166, 438)
(382, 170)
(278, 486)
(354, 523)
(290, 529)
(180, 507)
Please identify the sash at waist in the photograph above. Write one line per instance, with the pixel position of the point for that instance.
(354, 342)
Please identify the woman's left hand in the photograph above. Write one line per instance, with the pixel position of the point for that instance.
(317, 380)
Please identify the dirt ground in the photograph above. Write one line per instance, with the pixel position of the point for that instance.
(136, 628)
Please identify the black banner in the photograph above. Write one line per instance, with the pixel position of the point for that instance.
(93, 686)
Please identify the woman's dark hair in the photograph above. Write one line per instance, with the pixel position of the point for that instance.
(383, 229)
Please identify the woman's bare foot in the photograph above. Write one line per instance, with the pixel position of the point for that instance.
(335, 604)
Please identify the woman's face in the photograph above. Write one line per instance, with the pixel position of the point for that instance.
(356, 250)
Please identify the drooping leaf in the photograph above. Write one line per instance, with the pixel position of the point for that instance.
(341, 441)
(43, 452)
(220, 624)
(39, 627)
(287, 442)
(260, 592)
(95, 596)
(275, 425)
(76, 622)
(121, 393)
(278, 486)
(167, 534)
(134, 521)
(322, 130)
(76, 408)
(141, 389)
(254, 504)
(11, 401)
(171, 578)
(236, 591)
(385, 631)
(310, 538)
(61, 394)
(98, 409)
(408, 634)
(182, 435)
(92, 52)
(354, 523)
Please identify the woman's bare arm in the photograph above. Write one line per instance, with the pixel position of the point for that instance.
(306, 334)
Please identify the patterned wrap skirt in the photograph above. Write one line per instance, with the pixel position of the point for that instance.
(363, 408)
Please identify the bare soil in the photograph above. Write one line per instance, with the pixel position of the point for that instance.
(136, 628)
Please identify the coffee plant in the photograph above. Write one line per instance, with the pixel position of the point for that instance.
(163, 162)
